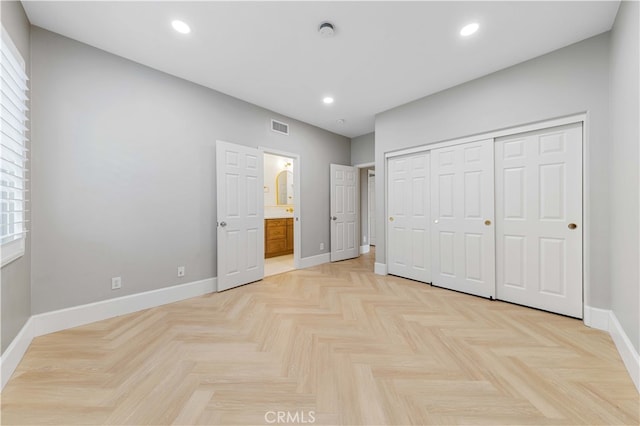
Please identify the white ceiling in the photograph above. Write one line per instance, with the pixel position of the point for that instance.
(384, 54)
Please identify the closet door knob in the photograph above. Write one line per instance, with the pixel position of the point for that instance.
(572, 226)
(390, 218)
(487, 222)
(223, 224)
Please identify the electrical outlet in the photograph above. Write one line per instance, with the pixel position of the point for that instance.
(321, 246)
(116, 283)
(180, 271)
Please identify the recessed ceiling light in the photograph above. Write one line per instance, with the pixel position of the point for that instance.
(467, 30)
(180, 27)
(328, 100)
(326, 29)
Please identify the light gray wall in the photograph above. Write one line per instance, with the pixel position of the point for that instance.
(362, 149)
(124, 177)
(16, 286)
(624, 160)
(571, 80)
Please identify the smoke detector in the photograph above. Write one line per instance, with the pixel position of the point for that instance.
(326, 29)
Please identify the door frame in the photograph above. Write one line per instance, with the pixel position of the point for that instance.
(371, 219)
(297, 217)
(523, 128)
(366, 248)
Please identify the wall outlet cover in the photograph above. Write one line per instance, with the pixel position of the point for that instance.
(116, 283)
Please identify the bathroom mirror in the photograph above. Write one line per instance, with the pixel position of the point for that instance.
(284, 188)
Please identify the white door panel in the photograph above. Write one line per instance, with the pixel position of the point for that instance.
(538, 196)
(239, 215)
(408, 221)
(462, 214)
(344, 212)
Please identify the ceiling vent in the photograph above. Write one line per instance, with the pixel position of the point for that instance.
(280, 127)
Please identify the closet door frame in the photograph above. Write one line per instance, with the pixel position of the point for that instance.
(540, 125)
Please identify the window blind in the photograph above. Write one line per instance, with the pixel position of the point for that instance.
(13, 142)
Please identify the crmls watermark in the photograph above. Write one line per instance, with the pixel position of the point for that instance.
(290, 417)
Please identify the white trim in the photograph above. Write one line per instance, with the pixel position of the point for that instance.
(586, 215)
(539, 125)
(14, 353)
(364, 165)
(380, 268)
(364, 249)
(297, 202)
(50, 322)
(627, 351)
(308, 262)
(606, 320)
(596, 318)
(12, 250)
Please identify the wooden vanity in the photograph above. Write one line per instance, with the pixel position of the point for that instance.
(278, 237)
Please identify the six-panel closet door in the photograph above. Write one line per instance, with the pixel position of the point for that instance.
(408, 221)
(462, 209)
(539, 219)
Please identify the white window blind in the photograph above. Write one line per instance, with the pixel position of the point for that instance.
(13, 150)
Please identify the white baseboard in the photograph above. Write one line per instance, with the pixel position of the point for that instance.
(597, 318)
(605, 319)
(50, 322)
(380, 268)
(14, 353)
(626, 349)
(308, 262)
(364, 249)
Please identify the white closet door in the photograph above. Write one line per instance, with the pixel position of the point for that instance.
(462, 226)
(539, 219)
(408, 209)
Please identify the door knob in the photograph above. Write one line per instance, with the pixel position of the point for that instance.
(223, 224)
(487, 222)
(390, 218)
(436, 221)
(334, 218)
(572, 226)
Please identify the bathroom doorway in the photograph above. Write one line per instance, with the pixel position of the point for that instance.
(281, 212)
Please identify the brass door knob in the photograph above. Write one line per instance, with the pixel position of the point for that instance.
(572, 226)
(487, 222)
(390, 218)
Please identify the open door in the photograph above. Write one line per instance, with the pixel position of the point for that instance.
(239, 175)
(345, 197)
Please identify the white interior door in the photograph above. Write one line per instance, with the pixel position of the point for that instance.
(239, 174)
(462, 228)
(345, 197)
(539, 219)
(372, 209)
(408, 221)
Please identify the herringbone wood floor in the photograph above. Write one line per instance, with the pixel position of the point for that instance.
(337, 340)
